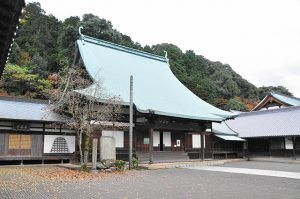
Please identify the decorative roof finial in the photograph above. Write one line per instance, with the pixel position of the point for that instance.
(81, 35)
(79, 30)
(166, 55)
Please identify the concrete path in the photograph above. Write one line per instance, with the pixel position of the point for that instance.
(282, 174)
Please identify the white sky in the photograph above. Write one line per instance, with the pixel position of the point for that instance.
(260, 39)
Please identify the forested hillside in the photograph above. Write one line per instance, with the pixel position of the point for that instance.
(44, 47)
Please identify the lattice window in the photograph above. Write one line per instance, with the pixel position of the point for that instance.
(25, 142)
(14, 141)
(18, 141)
(60, 145)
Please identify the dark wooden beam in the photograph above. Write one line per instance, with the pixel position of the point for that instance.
(177, 125)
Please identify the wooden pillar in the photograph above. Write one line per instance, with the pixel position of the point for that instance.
(294, 147)
(246, 153)
(130, 122)
(269, 147)
(150, 145)
(202, 147)
(99, 145)
(94, 154)
(244, 150)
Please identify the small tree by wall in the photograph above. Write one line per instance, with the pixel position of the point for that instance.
(86, 111)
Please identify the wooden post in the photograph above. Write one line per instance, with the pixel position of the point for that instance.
(294, 146)
(94, 154)
(269, 147)
(202, 147)
(150, 145)
(244, 149)
(99, 145)
(130, 122)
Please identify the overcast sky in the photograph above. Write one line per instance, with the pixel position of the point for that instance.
(260, 39)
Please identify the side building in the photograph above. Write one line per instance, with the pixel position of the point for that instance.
(272, 133)
(30, 133)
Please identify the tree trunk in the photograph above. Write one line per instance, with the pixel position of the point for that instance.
(86, 149)
(79, 139)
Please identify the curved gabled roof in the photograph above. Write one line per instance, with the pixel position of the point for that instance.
(282, 99)
(156, 89)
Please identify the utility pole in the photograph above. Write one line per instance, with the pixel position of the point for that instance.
(130, 121)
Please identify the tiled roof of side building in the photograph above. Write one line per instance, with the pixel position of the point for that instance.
(156, 89)
(222, 129)
(277, 122)
(27, 110)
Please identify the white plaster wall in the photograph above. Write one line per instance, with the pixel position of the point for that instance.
(196, 138)
(156, 138)
(118, 135)
(273, 107)
(167, 139)
(196, 141)
(49, 139)
(288, 143)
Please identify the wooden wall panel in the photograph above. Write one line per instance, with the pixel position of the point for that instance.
(126, 139)
(2, 144)
(37, 145)
(188, 140)
(140, 135)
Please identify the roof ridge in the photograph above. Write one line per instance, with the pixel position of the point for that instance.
(123, 48)
(285, 109)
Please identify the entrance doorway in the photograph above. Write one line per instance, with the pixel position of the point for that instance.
(161, 143)
(162, 140)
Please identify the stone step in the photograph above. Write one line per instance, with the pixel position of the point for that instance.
(164, 156)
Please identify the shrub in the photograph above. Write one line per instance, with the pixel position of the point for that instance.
(120, 165)
(84, 167)
(135, 162)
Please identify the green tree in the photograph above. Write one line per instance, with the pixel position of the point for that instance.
(236, 104)
(265, 90)
(18, 80)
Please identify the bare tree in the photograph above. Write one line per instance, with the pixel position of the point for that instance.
(86, 106)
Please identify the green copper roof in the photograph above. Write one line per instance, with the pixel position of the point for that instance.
(156, 89)
(289, 100)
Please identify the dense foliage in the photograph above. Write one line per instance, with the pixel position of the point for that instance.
(45, 46)
(22, 81)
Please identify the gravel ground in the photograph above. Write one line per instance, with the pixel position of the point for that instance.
(168, 183)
